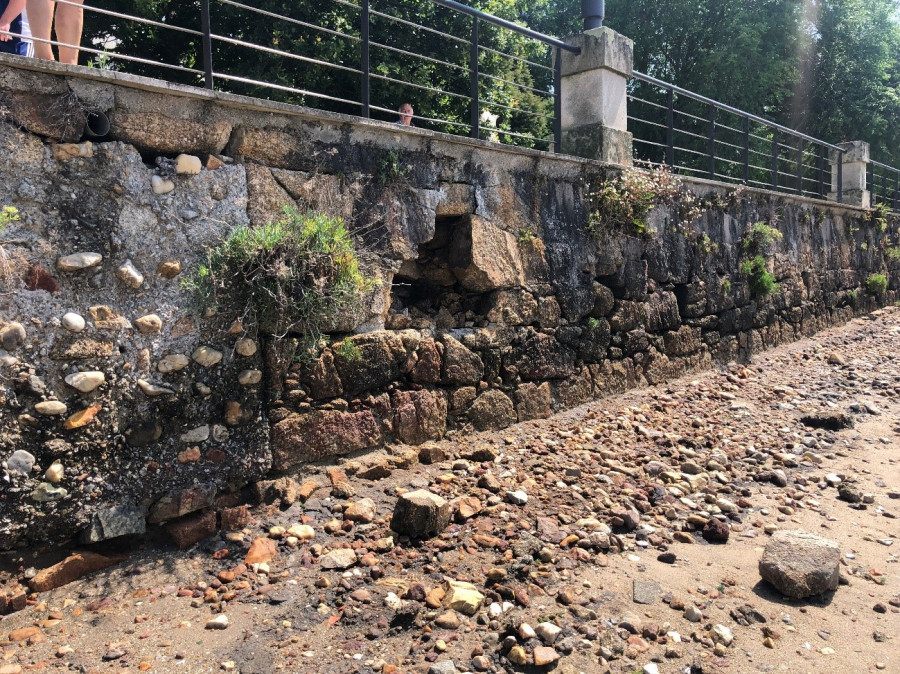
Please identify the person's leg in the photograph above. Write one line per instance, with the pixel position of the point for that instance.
(69, 21)
(40, 16)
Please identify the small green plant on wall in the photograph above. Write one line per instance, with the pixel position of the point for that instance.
(762, 282)
(525, 236)
(8, 214)
(757, 243)
(877, 217)
(892, 253)
(624, 202)
(876, 284)
(758, 240)
(348, 351)
(297, 275)
(391, 168)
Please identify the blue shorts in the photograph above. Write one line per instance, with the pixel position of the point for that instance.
(14, 46)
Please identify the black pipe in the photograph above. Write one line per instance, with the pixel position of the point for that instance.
(593, 11)
(96, 124)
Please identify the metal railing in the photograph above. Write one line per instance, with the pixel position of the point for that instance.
(701, 137)
(883, 182)
(465, 71)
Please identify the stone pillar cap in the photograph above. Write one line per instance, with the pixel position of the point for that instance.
(600, 48)
(854, 150)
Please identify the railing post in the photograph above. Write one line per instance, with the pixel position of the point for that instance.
(800, 144)
(475, 108)
(774, 159)
(364, 56)
(594, 90)
(206, 26)
(746, 150)
(870, 182)
(592, 13)
(557, 101)
(821, 180)
(848, 174)
(896, 190)
(711, 143)
(670, 127)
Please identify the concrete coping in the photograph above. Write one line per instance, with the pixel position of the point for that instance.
(249, 103)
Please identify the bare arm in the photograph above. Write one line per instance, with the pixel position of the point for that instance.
(13, 9)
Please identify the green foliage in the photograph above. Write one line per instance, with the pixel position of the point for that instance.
(706, 245)
(391, 168)
(348, 350)
(8, 214)
(762, 282)
(759, 238)
(892, 253)
(625, 201)
(876, 284)
(877, 217)
(726, 285)
(592, 323)
(299, 274)
(525, 236)
(102, 61)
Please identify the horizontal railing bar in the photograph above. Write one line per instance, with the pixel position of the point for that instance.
(137, 19)
(418, 56)
(412, 24)
(279, 52)
(289, 19)
(515, 58)
(728, 108)
(652, 104)
(520, 111)
(422, 118)
(649, 142)
(516, 135)
(539, 92)
(497, 21)
(115, 56)
(884, 166)
(648, 122)
(385, 78)
(281, 87)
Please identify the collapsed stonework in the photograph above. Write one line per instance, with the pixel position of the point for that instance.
(124, 403)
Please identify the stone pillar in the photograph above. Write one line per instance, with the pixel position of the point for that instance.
(594, 119)
(853, 173)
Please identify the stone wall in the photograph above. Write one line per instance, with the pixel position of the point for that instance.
(122, 403)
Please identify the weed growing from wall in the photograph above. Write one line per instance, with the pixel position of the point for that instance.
(391, 168)
(757, 244)
(876, 284)
(298, 275)
(761, 280)
(758, 240)
(624, 202)
(8, 214)
(877, 217)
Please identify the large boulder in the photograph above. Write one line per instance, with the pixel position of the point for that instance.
(799, 564)
(420, 513)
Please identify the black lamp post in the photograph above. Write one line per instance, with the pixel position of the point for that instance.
(592, 12)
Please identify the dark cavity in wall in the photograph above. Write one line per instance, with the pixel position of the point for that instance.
(427, 292)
